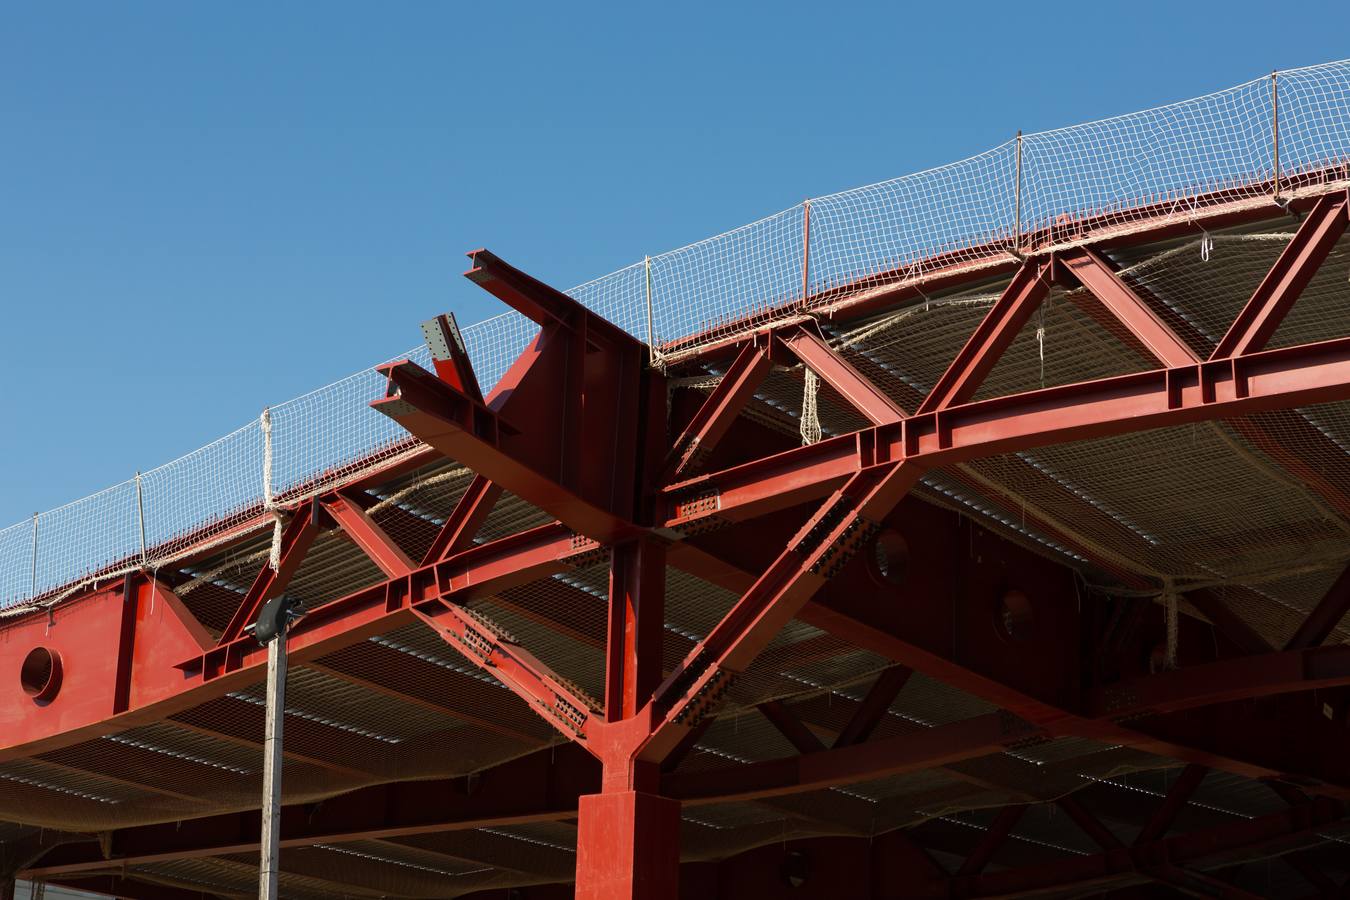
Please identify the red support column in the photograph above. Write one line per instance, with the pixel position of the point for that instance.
(628, 846)
(636, 614)
(628, 837)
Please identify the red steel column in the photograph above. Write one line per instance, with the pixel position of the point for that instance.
(628, 835)
(628, 846)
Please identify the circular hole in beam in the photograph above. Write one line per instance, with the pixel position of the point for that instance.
(40, 674)
(1016, 617)
(889, 560)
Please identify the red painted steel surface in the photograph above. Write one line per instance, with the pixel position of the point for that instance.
(570, 430)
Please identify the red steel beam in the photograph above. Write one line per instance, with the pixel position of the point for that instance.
(561, 704)
(1089, 823)
(924, 749)
(991, 337)
(827, 541)
(1178, 795)
(1324, 618)
(791, 727)
(718, 411)
(834, 370)
(370, 537)
(465, 520)
(296, 538)
(874, 706)
(1290, 376)
(1286, 280)
(637, 584)
(994, 837)
(1241, 678)
(1261, 832)
(1128, 308)
(541, 302)
(449, 356)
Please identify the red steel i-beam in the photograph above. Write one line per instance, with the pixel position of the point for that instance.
(1292, 272)
(464, 521)
(449, 356)
(719, 410)
(1177, 797)
(635, 626)
(382, 550)
(835, 371)
(998, 329)
(296, 538)
(828, 540)
(1324, 618)
(1128, 308)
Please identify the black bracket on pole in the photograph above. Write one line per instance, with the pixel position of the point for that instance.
(276, 617)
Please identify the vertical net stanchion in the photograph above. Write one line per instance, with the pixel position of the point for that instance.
(1161, 164)
(16, 551)
(199, 498)
(96, 535)
(730, 283)
(1314, 125)
(898, 231)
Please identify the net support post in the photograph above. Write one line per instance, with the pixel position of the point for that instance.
(32, 583)
(1275, 130)
(1017, 198)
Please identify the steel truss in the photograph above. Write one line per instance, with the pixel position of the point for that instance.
(578, 428)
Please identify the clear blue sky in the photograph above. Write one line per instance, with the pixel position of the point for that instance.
(207, 208)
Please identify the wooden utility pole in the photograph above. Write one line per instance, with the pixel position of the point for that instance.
(273, 622)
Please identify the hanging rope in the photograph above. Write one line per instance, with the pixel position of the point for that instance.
(1206, 246)
(810, 414)
(274, 556)
(1040, 339)
(1170, 603)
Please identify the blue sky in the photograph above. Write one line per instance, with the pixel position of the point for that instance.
(207, 208)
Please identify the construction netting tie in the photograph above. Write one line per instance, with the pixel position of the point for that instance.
(810, 414)
(274, 556)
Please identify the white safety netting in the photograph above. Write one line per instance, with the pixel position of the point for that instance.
(1258, 143)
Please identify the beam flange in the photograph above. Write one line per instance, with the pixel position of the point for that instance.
(462, 525)
(1324, 618)
(1292, 272)
(838, 373)
(296, 538)
(718, 410)
(357, 524)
